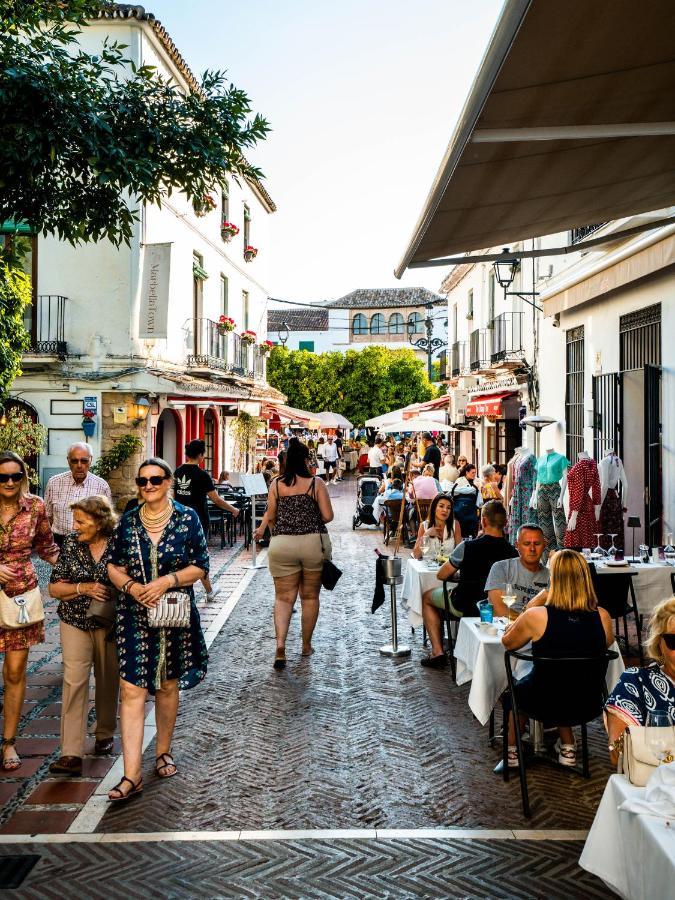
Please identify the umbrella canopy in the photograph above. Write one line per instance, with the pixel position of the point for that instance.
(333, 420)
(416, 424)
(394, 416)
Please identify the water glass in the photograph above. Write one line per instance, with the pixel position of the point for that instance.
(486, 611)
(660, 736)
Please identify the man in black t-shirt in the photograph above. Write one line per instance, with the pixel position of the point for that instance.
(432, 453)
(192, 485)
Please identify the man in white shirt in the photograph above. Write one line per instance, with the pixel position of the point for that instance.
(376, 456)
(68, 487)
(330, 459)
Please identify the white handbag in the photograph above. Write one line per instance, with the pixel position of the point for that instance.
(173, 607)
(21, 611)
(637, 760)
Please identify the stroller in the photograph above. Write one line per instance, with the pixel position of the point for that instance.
(367, 487)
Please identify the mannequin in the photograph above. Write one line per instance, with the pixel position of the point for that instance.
(551, 486)
(583, 482)
(612, 474)
(523, 469)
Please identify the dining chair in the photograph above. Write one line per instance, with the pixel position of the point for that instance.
(616, 594)
(392, 518)
(556, 674)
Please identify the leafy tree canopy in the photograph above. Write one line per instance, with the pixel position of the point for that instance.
(357, 384)
(86, 137)
(15, 295)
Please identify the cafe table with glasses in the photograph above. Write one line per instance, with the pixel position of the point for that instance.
(480, 660)
(420, 576)
(652, 582)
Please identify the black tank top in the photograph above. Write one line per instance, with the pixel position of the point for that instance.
(298, 513)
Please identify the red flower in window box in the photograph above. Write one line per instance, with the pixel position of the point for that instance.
(265, 347)
(248, 337)
(225, 324)
(228, 230)
(203, 205)
(250, 253)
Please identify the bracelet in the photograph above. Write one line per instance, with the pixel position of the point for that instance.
(77, 588)
(126, 585)
(617, 744)
(176, 580)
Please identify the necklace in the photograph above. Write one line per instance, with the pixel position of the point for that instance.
(156, 521)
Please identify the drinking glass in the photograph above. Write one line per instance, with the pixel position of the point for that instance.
(597, 550)
(425, 546)
(509, 597)
(660, 736)
(669, 549)
(644, 553)
(613, 548)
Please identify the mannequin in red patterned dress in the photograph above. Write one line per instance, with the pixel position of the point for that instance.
(583, 483)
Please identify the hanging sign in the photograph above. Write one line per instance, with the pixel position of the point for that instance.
(155, 291)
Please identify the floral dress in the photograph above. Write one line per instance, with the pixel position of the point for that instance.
(148, 656)
(76, 564)
(26, 533)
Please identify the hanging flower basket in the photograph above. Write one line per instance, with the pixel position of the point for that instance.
(225, 324)
(203, 205)
(265, 347)
(250, 253)
(88, 423)
(228, 230)
(249, 337)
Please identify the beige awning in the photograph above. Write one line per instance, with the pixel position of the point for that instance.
(570, 122)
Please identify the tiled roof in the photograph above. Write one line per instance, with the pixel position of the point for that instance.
(135, 11)
(386, 298)
(298, 319)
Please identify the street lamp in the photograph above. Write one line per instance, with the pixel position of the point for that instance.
(429, 343)
(284, 333)
(141, 408)
(505, 269)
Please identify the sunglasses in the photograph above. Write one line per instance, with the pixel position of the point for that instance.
(669, 640)
(11, 476)
(156, 480)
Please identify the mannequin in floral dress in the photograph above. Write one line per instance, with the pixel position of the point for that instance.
(583, 484)
(521, 485)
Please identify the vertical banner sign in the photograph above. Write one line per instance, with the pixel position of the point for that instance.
(155, 291)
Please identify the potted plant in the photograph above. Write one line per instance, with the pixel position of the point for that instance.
(203, 205)
(228, 230)
(88, 423)
(248, 337)
(250, 253)
(265, 347)
(225, 324)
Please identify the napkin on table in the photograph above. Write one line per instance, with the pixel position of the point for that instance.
(659, 799)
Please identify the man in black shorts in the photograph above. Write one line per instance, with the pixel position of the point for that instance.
(330, 459)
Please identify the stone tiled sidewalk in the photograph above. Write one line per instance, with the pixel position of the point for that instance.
(31, 800)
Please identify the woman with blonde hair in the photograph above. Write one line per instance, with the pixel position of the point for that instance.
(568, 624)
(650, 689)
(87, 612)
(24, 530)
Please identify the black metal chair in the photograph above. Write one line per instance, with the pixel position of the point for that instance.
(616, 594)
(592, 671)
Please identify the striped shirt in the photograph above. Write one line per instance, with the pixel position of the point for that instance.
(62, 490)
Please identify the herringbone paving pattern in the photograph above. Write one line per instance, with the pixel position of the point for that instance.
(313, 869)
(346, 739)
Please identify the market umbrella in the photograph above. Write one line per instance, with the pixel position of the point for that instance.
(333, 420)
(416, 424)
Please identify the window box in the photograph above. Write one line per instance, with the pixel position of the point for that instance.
(225, 324)
(249, 337)
(228, 230)
(250, 253)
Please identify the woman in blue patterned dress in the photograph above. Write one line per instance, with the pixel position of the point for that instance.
(647, 690)
(170, 539)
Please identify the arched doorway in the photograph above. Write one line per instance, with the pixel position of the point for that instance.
(169, 437)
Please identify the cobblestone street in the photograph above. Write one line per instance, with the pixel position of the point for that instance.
(346, 741)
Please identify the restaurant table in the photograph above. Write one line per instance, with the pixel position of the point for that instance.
(418, 579)
(633, 853)
(351, 458)
(480, 660)
(651, 581)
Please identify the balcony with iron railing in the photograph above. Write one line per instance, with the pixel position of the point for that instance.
(210, 348)
(45, 323)
(479, 355)
(584, 231)
(507, 338)
(458, 358)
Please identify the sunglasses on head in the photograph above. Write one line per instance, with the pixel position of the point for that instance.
(10, 476)
(142, 481)
(669, 640)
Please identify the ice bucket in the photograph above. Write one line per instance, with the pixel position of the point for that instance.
(392, 568)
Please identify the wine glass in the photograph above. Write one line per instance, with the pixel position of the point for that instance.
(644, 553)
(598, 552)
(509, 597)
(425, 546)
(660, 736)
(669, 549)
(613, 548)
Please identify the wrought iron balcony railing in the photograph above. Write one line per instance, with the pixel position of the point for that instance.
(507, 337)
(584, 231)
(209, 348)
(479, 356)
(45, 323)
(458, 363)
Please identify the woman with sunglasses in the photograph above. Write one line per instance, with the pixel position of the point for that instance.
(24, 530)
(158, 547)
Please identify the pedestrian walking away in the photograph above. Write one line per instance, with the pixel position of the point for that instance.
(194, 487)
(158, 547)
(87, 611)
(298, 508)
(66, 488)
(24, 530)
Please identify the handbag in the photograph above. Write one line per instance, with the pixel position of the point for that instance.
(173, 607)
(102, 614)
(21, 611)
(330, 574)
(637, 761)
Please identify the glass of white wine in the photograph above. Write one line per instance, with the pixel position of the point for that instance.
(509, 597)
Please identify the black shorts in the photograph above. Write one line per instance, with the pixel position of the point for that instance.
(330, 464)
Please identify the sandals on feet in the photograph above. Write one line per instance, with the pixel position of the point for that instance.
(9, 765)
(280, 659)
(165, 761)
(135, 790)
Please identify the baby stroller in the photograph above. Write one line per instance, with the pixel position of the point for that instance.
(367, 488)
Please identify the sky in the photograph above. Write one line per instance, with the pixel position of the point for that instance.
(362, 97)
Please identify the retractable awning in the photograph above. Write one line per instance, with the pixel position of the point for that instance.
(570, 122)
(488, 404)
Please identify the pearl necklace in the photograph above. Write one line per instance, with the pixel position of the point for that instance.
(156, 521)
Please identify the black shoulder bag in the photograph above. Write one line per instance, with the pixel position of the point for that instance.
(330, 574)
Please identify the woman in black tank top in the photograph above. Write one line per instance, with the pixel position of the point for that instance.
(298, 507)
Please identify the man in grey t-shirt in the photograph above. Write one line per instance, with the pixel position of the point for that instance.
(526, 575)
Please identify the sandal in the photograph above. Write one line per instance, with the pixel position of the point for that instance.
(512, 757)
(10, 765)
(280, 659)
(161, 763)
(136, 789)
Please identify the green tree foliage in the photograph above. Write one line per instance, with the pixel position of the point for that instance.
(85, 137)
(357, 384)
(21, 435)
(15, 295)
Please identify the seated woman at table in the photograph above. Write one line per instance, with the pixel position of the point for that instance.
(647, 690)
(439, 525)
(570, 624)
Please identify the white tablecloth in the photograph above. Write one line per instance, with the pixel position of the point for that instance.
(351, 457)
(634, 854)
(418, 579)
(651, 583)
(480, 660)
